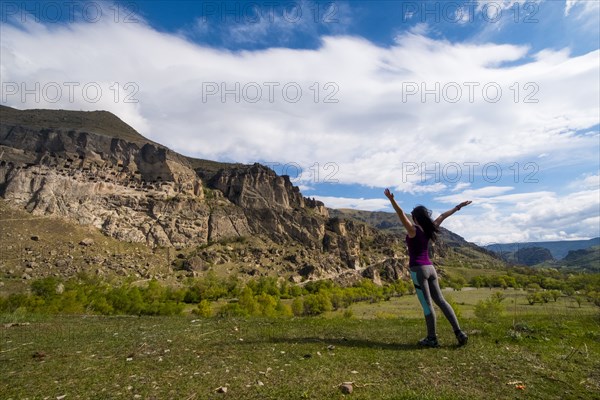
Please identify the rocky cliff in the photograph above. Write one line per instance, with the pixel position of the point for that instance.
(92, 168)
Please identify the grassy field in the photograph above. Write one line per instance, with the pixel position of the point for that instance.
(464, 301)
(553, 351)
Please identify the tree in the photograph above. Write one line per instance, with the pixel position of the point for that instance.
(555, 294)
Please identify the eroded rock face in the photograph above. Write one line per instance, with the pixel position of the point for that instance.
(131, 190)
(138, 191)
(272, 204)
(257, 187)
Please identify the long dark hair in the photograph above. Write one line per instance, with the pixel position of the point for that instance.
(422, 216)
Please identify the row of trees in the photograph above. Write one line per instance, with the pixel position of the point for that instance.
(530, 279)
(264, 296)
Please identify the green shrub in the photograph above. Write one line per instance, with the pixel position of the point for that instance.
(455, 306)
(232, 310)
(45, 288)
(315, 304)
(489, 310)
(267, 305)
(248, 302)
(204, 309)
(283, 310)
(298, 306)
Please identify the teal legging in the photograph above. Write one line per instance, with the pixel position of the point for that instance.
(426, 284)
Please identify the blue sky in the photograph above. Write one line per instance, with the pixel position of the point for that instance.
(492, 101)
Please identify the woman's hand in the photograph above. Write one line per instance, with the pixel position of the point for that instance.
(388, 194)
(463, 204)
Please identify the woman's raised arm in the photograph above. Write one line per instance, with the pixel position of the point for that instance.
(408, 225)
(438, 221)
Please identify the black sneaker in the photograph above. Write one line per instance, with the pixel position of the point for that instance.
(462, 338)
(429, 342)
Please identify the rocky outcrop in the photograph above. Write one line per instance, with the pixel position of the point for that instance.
(131, 189)
(272, 205)
(532, 255)
(99, 172)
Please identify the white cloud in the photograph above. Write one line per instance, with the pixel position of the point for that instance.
(305, 188)
(354, 203)
(520, 217)
(420, 29)
(486, 193)
(584, 16)
(461, 186)
(373, 130)
(416, 188)
(492, 5)
(587, 181)
(368, 133)
(274, 23)
(586, 7)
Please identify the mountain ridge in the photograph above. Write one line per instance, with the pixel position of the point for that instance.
(132, 189)
(558, 248)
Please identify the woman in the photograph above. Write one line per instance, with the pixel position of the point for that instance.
(420, 231)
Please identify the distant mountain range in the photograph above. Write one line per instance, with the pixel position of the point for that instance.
(558, 249)
(576, 254)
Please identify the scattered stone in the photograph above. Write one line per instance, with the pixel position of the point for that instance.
(221, 389)
(194, 264)
(60, 288)
(87, 242)
(10, 325)
(346, 387)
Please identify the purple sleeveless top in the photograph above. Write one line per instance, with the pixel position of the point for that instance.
(418, 249)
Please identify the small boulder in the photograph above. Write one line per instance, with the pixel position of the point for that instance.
(221, 389)
(87, 242)
(346, 387)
